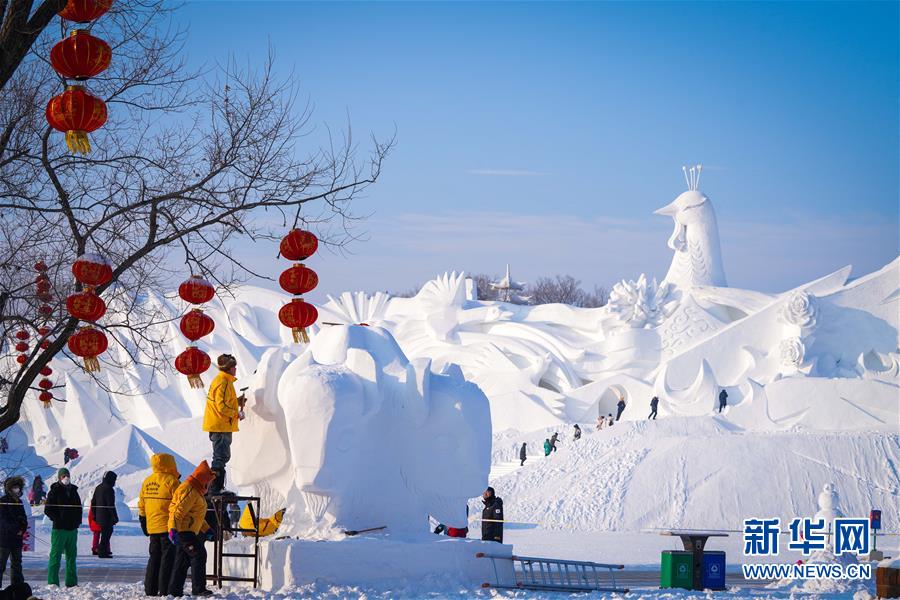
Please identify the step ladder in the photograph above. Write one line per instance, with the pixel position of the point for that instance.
(553, 575)
(221, 504)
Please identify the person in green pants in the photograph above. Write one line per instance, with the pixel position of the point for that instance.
(64, 509)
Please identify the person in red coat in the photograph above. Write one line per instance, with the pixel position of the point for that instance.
(95, 529)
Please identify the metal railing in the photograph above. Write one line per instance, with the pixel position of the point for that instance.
(551, 574)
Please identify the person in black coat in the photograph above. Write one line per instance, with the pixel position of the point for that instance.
(577, 435)
(523, 454)
(64, 509)
(723, 400)
(553, 439)
(104, 506)
(654, 402)
(13, 525)
(620, 408)
(492, 517)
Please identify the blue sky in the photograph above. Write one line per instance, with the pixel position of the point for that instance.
(545, 134)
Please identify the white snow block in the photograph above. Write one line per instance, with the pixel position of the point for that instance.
(371, 562)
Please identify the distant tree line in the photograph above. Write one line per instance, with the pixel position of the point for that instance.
(563, 289)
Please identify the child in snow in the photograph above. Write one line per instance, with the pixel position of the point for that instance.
(609, 420)
(553, 439)
(37, 493)
(547, 447)
(577, 435)
(13, 525)
(601, 422)
(523, 454)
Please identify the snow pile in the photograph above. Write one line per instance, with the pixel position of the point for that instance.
(691, 473)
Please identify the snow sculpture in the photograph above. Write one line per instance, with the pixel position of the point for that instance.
(801, 310)
(828, 504)
(640, 304)
(506, 289)
(792, 351)
(367, 437)
(695, 239)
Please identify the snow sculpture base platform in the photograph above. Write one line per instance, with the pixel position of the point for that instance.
(368, 561)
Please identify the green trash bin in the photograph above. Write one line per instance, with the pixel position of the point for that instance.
(677, 569)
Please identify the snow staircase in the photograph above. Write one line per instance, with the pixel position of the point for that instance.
(505, 468)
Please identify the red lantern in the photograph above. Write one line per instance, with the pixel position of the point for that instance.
(298, 315)
(196, 290)
(86, 306)
(195, 325)
(45, 309)
(43, 286)
(77, 113)
(21, 347)
(193, 362)
(82, 11)
(92, 270)
(89, 343)
(45, 384)
(43, 330)
(45, 297)
(298, 245)
(45, 344)
(40, 266)
(46, 371)
(298, 280)
(21, 359)
(80, 56)
(22, 335)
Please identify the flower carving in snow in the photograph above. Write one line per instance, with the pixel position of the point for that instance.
(801, 310)
(792, 352)
(641, 304)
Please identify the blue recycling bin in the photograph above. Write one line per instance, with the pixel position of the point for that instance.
(713, 571)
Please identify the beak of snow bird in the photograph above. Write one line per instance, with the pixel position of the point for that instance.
(668, 210)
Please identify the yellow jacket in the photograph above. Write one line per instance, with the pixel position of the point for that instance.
(221, 415)
(156, 493)
(188, 509)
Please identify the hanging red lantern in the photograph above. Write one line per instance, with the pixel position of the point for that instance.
(45, 309)
(195, 325)
(196, 290)
(40, 266)
(21, 347)
(43, 286)
(92, 270)
(45, 384)
(22, 335)
(298, 280)
(46, 371)
(21, 359)
(43, 330)
(45, 296)
(298, 315)
(45, 344)
(89, 343)
(77, 113)
(86, 306)
(80, 56)
(298, 245)
(83, 11)
(193, 362)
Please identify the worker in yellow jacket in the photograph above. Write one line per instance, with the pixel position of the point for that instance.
(153, 511)
(223, 411)
(187, 529)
